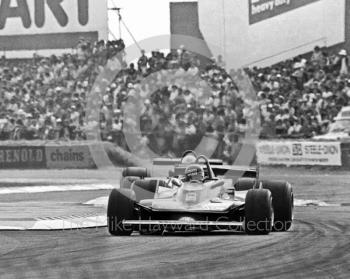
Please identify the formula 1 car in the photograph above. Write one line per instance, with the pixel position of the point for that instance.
(200, 194)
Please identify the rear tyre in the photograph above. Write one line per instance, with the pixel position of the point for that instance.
(283, 204)
(245, 184)
(120, 207)
(136, 171)
(258, 212)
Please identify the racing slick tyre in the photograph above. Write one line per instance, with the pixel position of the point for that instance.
(258, 212)
(283, 204)
(120, 207)
(245, 184)
(126, 182)
(136, 171)
(145, 189)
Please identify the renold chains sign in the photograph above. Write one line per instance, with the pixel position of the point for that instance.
(22, 157)
(50, 24)
(260, 10)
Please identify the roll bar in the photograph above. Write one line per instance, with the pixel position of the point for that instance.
(210, 170)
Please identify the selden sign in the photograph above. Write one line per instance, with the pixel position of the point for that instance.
(263, 9)
(50, 24)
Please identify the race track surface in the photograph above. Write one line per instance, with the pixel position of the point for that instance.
(318, 246)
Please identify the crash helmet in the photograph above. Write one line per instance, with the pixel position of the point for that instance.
(194, 173)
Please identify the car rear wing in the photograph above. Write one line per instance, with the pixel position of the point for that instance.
(225, 171)
(177, 161)
(236, 171)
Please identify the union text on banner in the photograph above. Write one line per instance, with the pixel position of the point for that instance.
(299, 153)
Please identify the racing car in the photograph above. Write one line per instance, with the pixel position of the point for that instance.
(198, 194)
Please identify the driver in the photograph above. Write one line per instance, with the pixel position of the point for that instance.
(194, 173)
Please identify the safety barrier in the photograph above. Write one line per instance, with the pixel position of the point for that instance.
(75, 156)
(22, 156)
(86, 155)
(61, 155)
(345, 150)
(304, 153)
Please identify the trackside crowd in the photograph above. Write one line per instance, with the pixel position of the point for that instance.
(176, 96)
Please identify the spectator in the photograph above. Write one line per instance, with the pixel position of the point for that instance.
(341, 63)
(317, 57)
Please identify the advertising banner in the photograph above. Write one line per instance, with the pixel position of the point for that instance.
(51, 24)
(69, 157)
(299, 153)
(22, 157)
(265, 32)
(345, 150)
(260, 10)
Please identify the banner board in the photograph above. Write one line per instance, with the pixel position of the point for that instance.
(260, 10)
(22, 157)
(50, 24)
(264, 32)
(69, 157)
(299, 153)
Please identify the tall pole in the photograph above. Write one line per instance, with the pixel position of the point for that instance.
(119, 19)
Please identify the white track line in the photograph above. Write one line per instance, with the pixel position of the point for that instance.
(55, 188)
(99, 202)
(70, 224)
(298, 202)
(8, 228)
(103, 201)
(309, 175)
(47, 180)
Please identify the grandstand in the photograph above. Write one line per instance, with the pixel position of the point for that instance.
(44, 98)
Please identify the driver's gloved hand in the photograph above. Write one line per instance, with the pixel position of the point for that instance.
(176, 182)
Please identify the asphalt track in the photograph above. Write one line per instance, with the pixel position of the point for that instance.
(318, 246)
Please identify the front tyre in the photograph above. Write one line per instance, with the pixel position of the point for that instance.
(245, 184)
(258, 212)
(283, 204)
(120, 207)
